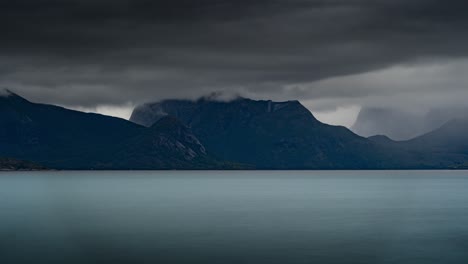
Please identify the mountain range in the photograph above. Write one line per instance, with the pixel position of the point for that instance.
(60, 138)
(212, 134)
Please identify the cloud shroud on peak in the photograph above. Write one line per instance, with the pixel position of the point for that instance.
(92, 53)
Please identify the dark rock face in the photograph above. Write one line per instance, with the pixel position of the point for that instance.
(167, 144)
(64, 139)
(266, 134)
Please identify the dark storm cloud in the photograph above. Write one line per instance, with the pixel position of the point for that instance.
(86, 53)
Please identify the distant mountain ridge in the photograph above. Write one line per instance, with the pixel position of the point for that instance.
(442, 148)
(394, 123)
(400, 124)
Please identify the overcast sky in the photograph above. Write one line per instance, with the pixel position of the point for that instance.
(333, 55)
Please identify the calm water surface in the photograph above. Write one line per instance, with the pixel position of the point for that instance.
(234, 217)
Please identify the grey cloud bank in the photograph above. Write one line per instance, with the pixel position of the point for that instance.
(95, 54)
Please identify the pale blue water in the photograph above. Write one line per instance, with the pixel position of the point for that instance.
(234, 217)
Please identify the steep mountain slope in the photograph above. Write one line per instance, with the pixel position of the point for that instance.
(270, 135)
(66, 139)
(443, 148)
(167, 144)
(452, 135)
(446, 146)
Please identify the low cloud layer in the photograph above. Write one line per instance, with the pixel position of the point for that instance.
(335, 53)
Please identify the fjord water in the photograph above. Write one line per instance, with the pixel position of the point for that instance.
(234, 217)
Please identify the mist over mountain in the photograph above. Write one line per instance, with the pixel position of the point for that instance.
(403, 124)
(336, 88)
